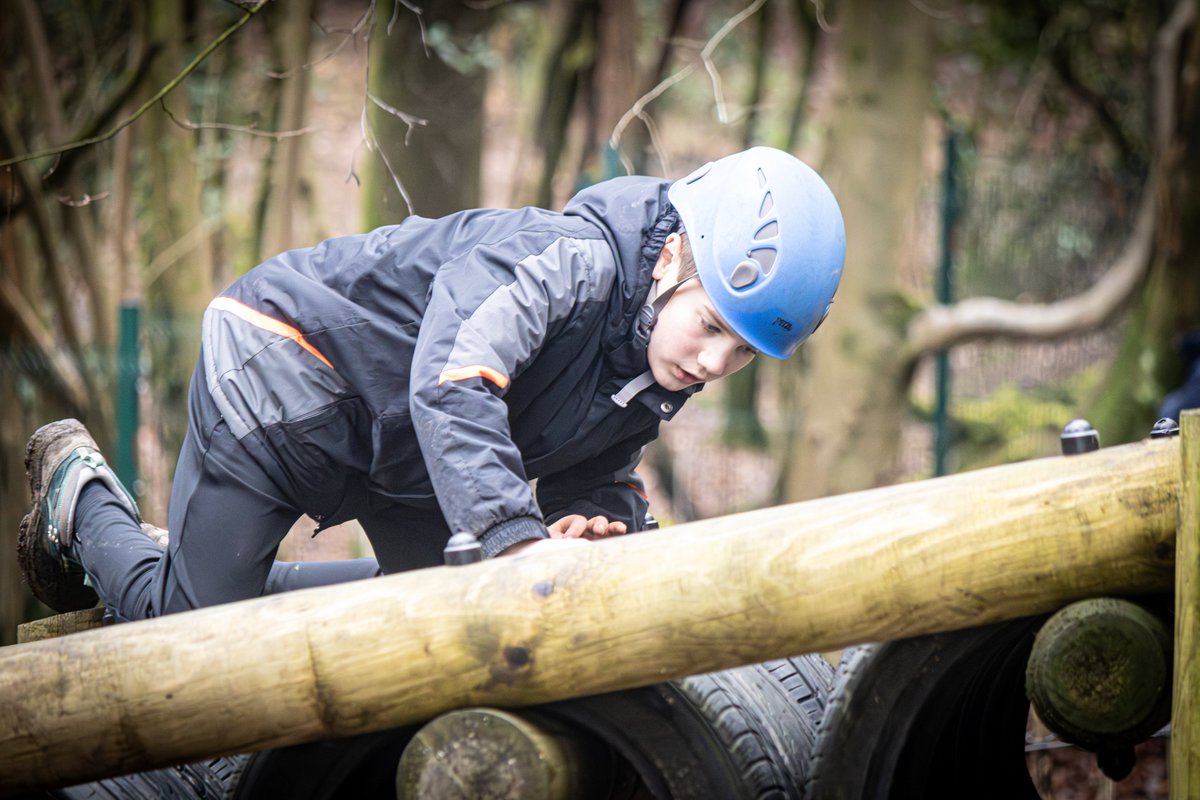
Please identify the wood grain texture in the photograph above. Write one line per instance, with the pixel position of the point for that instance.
(60, 625)
(1185, 709)
(916, 558)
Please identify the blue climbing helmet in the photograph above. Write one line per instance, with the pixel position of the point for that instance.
(768, 240)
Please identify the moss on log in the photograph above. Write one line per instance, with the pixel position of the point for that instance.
(1100, 673)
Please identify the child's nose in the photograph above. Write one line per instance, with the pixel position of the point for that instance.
(714, 360)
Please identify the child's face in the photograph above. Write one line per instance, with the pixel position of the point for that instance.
(690, 342)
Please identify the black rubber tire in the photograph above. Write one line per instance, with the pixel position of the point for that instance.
(203, 780)
(940, 716)
(740, 733)
(360, 767)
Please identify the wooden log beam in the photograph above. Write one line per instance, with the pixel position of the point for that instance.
(1099, 674)
(1185, 709)
(910, 559)
(491, 754)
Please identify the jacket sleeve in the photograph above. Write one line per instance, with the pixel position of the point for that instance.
(489, 313)
(598, 488)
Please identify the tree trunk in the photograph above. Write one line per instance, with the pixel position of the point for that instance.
(856, 390)
(294, 35)
(742, 425)
(809, 30)
(614, 83)
(179, 293)
(1146, 367)
(635, 139)
(425, 111)
(569, 56)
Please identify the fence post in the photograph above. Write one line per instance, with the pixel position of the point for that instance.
(128, 368)
(945, 295)
(1185, 727)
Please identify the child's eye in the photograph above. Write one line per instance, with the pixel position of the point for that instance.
(708, 326)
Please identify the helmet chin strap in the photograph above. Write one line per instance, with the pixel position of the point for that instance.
(655, 303)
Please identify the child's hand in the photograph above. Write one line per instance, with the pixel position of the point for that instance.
(577, 526)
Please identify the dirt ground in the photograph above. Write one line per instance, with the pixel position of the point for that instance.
(1071, 774)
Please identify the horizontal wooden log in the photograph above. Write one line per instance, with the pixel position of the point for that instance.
(910, 559)
(1099, 674)
(490, 754)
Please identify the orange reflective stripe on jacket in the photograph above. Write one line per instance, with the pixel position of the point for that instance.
(474, 371)
(261, 320)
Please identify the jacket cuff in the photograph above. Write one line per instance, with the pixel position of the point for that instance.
(504, 535)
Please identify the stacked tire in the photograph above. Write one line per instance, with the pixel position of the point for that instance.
(743, 733)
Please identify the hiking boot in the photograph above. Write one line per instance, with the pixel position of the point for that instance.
(60, 459)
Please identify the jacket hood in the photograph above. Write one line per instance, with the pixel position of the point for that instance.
(635, 217)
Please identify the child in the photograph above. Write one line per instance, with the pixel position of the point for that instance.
(419, 376)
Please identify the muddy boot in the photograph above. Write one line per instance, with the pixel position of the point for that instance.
(60, 459)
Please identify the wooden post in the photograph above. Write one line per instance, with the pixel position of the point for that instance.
(910, 559)
(60, 625)
(1185, 711)
(1099, 674)
(489, 754)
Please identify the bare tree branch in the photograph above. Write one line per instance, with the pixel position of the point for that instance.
(247, 129)
(86, 199)
(63, 372)
(128, 83)
(44, 234)
(819, 10)
(637, 110)
(347, 37)
(250, 11)
(941, 327)
(1060, 62)
(711, 67)
(368, 137)
(77, 230)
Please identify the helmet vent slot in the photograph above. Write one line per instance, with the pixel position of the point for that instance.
(765, 207)
(768, 231)
(762, 178)
(765, 256)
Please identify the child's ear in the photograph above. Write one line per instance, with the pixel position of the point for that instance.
(668, 257)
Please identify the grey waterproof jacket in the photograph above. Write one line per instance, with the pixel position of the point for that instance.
(489, 348)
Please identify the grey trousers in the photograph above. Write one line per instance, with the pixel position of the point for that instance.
(232, 502)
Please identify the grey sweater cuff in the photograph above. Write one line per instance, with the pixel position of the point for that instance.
(500, 537)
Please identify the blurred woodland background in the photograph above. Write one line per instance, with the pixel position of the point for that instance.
(1019, 182)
